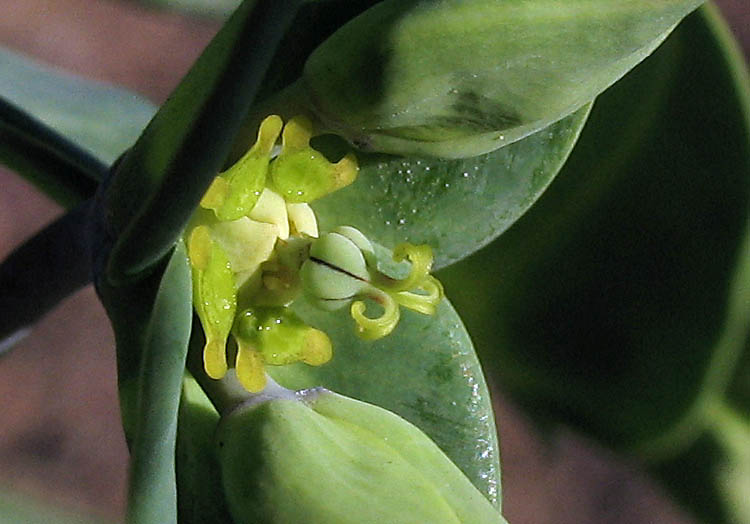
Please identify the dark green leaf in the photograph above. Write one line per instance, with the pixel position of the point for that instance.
(426, 371)
(620, 302)
(152, 490)
(41, 272)
(455, 206)
(64, 172)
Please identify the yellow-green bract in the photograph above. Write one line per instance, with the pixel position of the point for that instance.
(323, 458)
(457, 78)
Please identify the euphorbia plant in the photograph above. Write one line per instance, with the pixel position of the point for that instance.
(406, 129)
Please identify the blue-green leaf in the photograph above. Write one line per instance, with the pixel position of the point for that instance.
(101, 119)
(455, 206)
(426, 371)
(621, 302)
(152, 495)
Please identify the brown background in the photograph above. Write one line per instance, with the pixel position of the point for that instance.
(59, 428)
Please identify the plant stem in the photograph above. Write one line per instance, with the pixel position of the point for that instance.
(48, 267)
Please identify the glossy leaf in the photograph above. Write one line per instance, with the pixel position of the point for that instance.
(101, 119)
(187, 142)
(457, 78)
(425, 371)
(152, 490)
(455, 206)
(620, 302)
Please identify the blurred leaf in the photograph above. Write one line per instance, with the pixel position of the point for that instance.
(455, 206)
(457, 78)
(209, 8)
(620, 302)
(64, 172)
(19, 509)
(102, 119)
(425, 371)
(152, 494)
(38, 274)
(187, 142)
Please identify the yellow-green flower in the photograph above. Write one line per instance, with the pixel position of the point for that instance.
(253, 246)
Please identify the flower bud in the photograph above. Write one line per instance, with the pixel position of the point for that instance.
(322, 458)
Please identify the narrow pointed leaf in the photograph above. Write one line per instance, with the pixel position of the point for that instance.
(63, 171)
(152, 495)
(44, 270)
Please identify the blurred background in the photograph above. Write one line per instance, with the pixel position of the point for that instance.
(60, 435)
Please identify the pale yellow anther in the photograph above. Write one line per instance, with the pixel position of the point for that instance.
(302, 220)
(271, 209)
(247, 243)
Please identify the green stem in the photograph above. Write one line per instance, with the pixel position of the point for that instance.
(48, 267)
(60, 168)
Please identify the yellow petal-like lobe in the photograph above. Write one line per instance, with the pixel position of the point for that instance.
(250, 368)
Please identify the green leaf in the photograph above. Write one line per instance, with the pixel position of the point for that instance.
(620, 302)
(37, 275)
(457, 78)
(425, 371)
(64, 172)
(187, 142)
(200, 497)
(101, 119)
(420, 200)
(152, 490)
